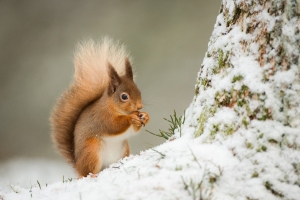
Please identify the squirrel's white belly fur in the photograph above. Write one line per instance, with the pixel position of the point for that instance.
(113, 148)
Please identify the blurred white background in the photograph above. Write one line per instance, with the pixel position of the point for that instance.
(168, 40)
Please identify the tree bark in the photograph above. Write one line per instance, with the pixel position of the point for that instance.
(248, 91)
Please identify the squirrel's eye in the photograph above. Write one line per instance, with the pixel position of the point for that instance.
(124, 96)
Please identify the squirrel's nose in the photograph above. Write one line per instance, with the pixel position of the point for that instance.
(139, 106)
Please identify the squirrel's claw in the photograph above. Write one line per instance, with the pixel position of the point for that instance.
(144, 117)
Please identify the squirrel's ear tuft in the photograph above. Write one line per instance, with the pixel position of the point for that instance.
(128, 69)
(114, 79)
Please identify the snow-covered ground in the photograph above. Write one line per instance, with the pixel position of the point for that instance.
(174, 170)
(25, 172)
(178, 169)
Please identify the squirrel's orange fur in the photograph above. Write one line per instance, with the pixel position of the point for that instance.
(95, 116)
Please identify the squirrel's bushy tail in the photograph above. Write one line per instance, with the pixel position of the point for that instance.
(90, 81)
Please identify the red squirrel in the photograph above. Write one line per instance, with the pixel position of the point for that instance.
(95, 116)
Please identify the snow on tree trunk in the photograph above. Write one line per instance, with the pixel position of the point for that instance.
(248, 96)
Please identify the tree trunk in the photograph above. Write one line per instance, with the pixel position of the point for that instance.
(248, 92)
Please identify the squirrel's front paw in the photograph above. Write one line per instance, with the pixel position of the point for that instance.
(144, 117)
(135, 120)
